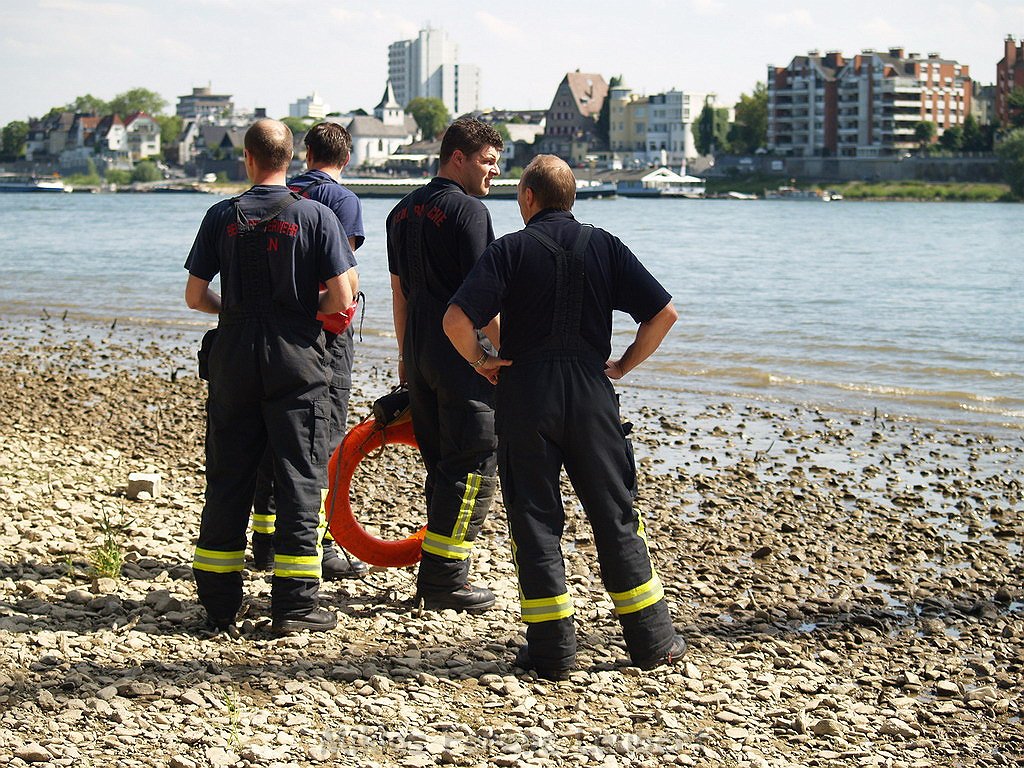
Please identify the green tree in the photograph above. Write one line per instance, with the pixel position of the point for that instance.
(924, 132)
(973, 138)
(13, 139)
(711, 130)
(146, 171)
(118, 176)
(170, 128)
(136, 100)
(89, 105)
(503, 132)
(750, 131)
(1011, 157)
(1015, 102)
(88, 179)
(298, 124)
(431, 115)
(952, 138)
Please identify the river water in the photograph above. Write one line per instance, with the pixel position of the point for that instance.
(913, 310)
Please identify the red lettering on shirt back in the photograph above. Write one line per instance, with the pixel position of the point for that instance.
(272, 244)
(275, 226)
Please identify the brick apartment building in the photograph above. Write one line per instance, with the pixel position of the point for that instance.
(1009, 75)
(865, 106)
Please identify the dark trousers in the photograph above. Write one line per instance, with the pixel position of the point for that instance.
(340, 354)
(267, 388)
(453, 420)
(556, 413)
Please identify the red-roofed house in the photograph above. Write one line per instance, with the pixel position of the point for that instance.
(571, 121)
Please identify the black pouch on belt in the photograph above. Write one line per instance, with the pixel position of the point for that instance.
(204, 354)
(392, 407)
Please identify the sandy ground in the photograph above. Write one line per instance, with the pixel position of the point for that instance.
(851, 589)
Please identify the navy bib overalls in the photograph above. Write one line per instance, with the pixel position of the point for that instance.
(556, 407)
(453, 420)
(268, 388)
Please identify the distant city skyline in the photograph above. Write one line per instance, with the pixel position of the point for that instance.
(52, 51)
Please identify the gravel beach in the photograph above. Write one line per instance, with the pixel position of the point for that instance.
(851, 587)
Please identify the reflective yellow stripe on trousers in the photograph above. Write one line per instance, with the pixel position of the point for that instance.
(454, 547)
(264, 524)
(540, 609)
(639, 598)
(305, 566)
(218, 562)
(646, 594)
(545, 608)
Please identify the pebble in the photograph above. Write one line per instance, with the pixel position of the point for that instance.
(33, 753)
(841, 595)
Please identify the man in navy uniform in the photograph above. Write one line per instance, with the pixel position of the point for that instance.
(268, 381)
(435, 235)
(328, 148)
(556, 284)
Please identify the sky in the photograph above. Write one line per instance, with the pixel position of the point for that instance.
(271, 54)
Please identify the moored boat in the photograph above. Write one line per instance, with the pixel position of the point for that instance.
(32, 184)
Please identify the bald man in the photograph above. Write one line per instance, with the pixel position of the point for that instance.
(556, 283)
(268, 385)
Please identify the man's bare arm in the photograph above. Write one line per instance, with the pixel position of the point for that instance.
(649, 336)
(199, 296)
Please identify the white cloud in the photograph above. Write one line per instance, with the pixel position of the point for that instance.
(796, 19)
(707, 7)
(500, 27)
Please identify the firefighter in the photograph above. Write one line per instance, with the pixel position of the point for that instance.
(556, 284)
(268, 383)
(328, 148)
(435, 235)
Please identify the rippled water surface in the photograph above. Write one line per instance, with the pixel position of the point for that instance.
(911, 309)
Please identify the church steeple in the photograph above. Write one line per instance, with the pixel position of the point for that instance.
(389, 111)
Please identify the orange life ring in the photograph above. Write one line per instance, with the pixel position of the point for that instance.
(361, 441)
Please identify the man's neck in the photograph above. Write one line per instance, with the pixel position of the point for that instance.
(331, 170)
(268, 178)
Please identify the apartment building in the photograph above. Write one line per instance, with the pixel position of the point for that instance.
(865, 106)
(429, 67)
(1009, 75)
(205, 106)
(309, 106)
(654, 129)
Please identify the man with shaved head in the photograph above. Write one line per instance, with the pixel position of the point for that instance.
(555, 284)
(268, 385)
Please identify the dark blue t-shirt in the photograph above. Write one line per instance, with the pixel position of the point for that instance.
(338, 198)
(516, 277)
(304, 243)
(456, 229)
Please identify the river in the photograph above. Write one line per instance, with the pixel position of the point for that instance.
(914, 310)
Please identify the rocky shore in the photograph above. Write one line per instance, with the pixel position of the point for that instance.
(852, 590)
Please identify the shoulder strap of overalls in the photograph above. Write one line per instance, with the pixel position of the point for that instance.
(284, 202)
(578, 247)
(305, 191)
(415, 246)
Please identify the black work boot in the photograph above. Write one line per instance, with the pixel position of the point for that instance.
(337, 565)
(263, 551)
(317, 620)
(524, 661)
(675, 652)
(463, 598)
